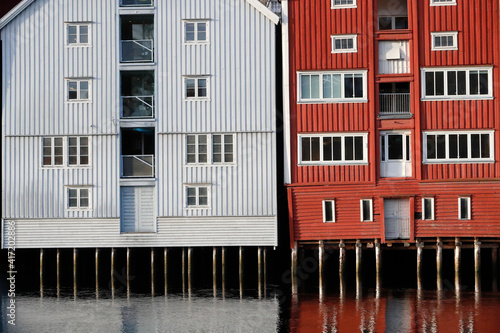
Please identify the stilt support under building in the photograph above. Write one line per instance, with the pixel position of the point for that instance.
(321, 258)
(214, 270)
(378, 265)
(477, 264)
(458, 255)
(190, 253)
(165, 277)
(58, 284)
(183, 270)
(294, 268)
(439, 263)
(152, 271)
(259, 270)
(341, 268)
(113, 272)
(420, 249)
(41, 272)
(97, 273)
(128, 271)
(74, 272)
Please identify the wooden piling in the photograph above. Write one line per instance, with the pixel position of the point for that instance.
(74, 271)
(223, 264)
(321, 257)
(214, 270)
(58, 285)
(458, 248)
(259, 270)
(165, 277)
(97, 272)
(294, 268)
(240, 265)
(41, 272)
(420, 248)
(190, 252)
(152, 271)
(494, 269)
(378, 263)
(358, 257)
(477, 264)
(112, 271)
(264, 252)
(183, 269)
(128, 271)
(439, 263)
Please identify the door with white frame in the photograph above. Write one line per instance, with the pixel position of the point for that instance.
(395, 154)
(397, 218)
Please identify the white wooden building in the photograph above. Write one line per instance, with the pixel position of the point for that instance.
(134, 123)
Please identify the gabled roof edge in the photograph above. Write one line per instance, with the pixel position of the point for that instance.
(14, 12)
(265, 11)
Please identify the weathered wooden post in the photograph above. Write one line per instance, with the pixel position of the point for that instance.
(341, 268)
(214, 270)
(265, 271)
(358, 257)
(190, 252)
(128, 271)
(240, 271)
(223, 263)
(259, 270)
(41, 272)
(74, 271)
(378, 263)
(113, 272)
(152, 271)
(477, 264)
(294, 268)
(165, 277)
(420, 248)
(494, 268)
(183, 269)
(321, 255)
(57, 270)
(439, 263)
(97, 272)
(458, 248)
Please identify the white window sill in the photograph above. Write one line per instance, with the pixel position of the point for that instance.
(459, 161)
(332, 101)
(343, 6)
(455, 98)
(454, 48)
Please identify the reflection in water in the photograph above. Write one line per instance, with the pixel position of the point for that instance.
(409, 311)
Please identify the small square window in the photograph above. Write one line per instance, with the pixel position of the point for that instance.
(464, 208)
(196, 148)
(196, 87)
(427, 208)
(343, 4)
(78, 90)
(344, 43)
(196, 31)
(197, 197)
(222, 148)
(366, 207)
(328, 210)
(442, 41)
(53, 151)
(443, 2)
(77, 34)
(78, 198)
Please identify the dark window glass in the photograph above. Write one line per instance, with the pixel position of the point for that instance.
(395, 147)
(464, 208)
(190, 88)
(453, 143)
(474, 82)
(441, 146)
(348, 86)
(350, 43)
(407, 147)
(306, 149)
(47, 151)
(337, 149)
(474, 146)
(315, 149)
(439, 83)
(429, 84)
(401, 22)
(452, 83)
(328, 211)
(431, 146)
(366, 210)
(483, 82)
(462, 146)
(437, 41)
(427, 209)
(385, 23)
(348, 145)
(382, 147)
(485, 145)
(461, 81)
(358, 85)
(337, 44)
(358, 148)
(327, 149)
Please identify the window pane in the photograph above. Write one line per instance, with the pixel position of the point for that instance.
(305, 86)
(327, 86)
(336, 80)
(73, 203)
(84, 34)
(328, 211)
(358, 85)
(84, 198)
(429, 84)
(202, 31)
(72, 35)
(474, 82)
(439, 83)
(190, 88)
(452, 83)
(203, 201)
(358, 148)
(47, 151)
(474, 146)
(337, 44)
(350, 43)
(190, 32)
(385, 23)
(344, 43)
(202, 87)
(431, 146)
(306, 149)
(314, 86)
(401, 22)
(348, 86)
(441, 146)
(348, 148)
(462, 84)
(427, 209)
(191, 201)
(437, 41)
(203, 191)
(315, 149)
(483, 82)
(337, 149)
(485, 145)
(407, 147)
(464, 208)
(453, 145)
(366, 210)
(462, 146)
(382, 147)
(395, 143)
(327, 149)
(72, 90)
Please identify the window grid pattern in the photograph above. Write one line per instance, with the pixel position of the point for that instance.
(343, 3)
(196, 87)
(78, 198)
(332, 87)
(464, 208)
(458, 146)
(457, 83)
(78, 90)
(78, 34)
(333, 149)
(78, 150)
(197, 148)
(196, 32)
(444, 41)
(222, 148)
(53, 152)
(197, 196)
(344, 43)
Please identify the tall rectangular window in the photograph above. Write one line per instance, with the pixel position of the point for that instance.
(53, 152)
(222, 148)
(197, 196)
(328, 210)
(333, 148)
(457, 83)
(464, 208)
(332, 87)
(196, 87)
(197, 148)
(459, 146)
(195, 31)
(77, 34)
(427, 208)
(78, 150)
(366, 210)
(78, 198)
(78, 90)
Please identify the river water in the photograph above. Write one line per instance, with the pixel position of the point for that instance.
(385, 310)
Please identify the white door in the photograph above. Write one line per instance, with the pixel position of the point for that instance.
(397, 218)
(395, 154)
(137, 209)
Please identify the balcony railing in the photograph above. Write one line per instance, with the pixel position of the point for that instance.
(394, 103)
(138, 107)
(137, 50)
(136, 3)
(138, 166)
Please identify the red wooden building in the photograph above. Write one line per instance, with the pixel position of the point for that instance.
(392, 120)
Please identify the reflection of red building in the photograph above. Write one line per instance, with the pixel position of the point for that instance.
(393, 126)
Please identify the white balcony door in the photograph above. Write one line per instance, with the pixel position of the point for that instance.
(395, 154)
(137, 209)
(397, 218)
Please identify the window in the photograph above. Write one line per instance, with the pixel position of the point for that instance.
(343, 4)
(53, 151)
(392, 22)
(460, 146)
(78, 198)
(136, 3)
(197, 148)
(457, 83)
(443, 2)
(197, 196)
(344, 43)
(366, 206)
(78, 150)
(333, 149)
(222, 148)
(427, 208)
(78, 90)
(332, 87)
(444, 40)
(196, 87)
(464, 208)
(77, 34)
(195, 32)
(328, 210)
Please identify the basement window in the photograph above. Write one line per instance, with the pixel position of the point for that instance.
(366, 206)
(464, 208)
(328, 210)
(427, 208)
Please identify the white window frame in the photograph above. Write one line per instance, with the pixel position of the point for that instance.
(78, 26)
(447, 159)
(52, 152)
(445, 71)
(196, 78)
(338, 6)
(424, 217)
(443, 3)
(79, 90)
(321, 99)
(197, 149)
(343, 161)
(332, 203)
(223, 148)
(453, 34)
(362, 217)
(79, 189)
(195, 22)
(78, 153)
(354, 48)
(469, 208)
(197, 187)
